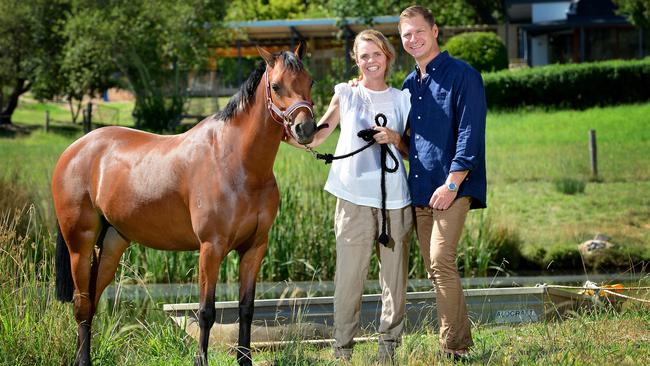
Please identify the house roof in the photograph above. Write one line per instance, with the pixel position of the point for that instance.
(269, 32)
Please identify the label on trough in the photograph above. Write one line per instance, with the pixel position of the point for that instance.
(515, 316)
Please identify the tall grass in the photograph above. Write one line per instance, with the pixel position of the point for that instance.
(35, 329)
(526, 152)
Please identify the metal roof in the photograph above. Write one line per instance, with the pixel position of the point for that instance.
(280, 31)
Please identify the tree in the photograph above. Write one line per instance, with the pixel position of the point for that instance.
(30, 50)
(637, 11)
(239, 10)
(152, 44)
(87, 67)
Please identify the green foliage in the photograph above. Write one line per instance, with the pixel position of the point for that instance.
(570, 85)
(323, 88)
(154, 45)
(637, 11)
(483, 50)
(568, 185)
(562, 256)
(239, 10)
(526, 150)
(87, 64)
(447, 12)
(622, 257)
(485, 246)
(30, 50)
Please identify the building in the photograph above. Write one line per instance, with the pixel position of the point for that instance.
(541, 32)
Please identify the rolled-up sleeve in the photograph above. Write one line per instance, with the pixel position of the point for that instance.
(471, 110)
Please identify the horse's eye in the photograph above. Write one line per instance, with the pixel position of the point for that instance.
(276, 88)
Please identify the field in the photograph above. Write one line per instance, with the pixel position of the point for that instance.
(528, 152)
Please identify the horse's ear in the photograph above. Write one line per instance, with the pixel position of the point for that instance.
(266, 55)
(301, 49)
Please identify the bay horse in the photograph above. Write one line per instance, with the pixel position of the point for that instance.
(210, 189)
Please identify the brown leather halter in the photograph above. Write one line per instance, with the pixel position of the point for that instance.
(284, 116)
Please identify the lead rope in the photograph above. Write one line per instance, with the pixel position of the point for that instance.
(367, 135)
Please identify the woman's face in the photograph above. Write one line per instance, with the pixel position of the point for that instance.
(371, 60)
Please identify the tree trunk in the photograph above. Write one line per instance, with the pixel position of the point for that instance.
(12, 103)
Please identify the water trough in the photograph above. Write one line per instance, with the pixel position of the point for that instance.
(310, 318)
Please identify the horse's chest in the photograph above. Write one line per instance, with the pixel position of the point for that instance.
(235, 215)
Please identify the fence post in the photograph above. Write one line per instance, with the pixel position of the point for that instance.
(593, 152)
(47, 121)
(88, 117)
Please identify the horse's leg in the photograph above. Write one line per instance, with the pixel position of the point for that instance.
(249, 266)
(210, 258)
(81, 234)
(110, 252)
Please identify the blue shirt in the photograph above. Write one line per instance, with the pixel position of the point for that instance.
(447, 123)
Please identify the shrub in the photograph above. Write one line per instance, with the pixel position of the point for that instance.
(624, 257)
(483, 50)
(562, 256)
(570, 185)
(570, 86)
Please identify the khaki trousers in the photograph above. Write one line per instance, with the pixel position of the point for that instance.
(438, 235)
(357, 228)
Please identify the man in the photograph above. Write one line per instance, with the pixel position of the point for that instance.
(447, 164)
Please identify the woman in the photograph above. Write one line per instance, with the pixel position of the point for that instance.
(356, 182)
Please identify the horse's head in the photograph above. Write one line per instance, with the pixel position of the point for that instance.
(288, 93)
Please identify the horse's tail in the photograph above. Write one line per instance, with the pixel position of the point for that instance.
(64, 283)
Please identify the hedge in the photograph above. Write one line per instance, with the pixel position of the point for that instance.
(483, 50)
(570, 85)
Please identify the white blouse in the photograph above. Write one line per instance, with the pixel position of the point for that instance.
(357, 179)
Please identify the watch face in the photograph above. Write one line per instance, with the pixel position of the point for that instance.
(452, 186)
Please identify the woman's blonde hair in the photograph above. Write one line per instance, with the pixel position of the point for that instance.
(376, 37)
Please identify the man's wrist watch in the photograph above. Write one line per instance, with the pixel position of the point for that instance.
(452, 187)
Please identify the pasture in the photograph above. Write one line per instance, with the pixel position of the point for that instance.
(527, 151)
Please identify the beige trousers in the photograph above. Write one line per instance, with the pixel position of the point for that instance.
(356, 228)
(438, 234)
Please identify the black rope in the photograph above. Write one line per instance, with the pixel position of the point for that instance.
(367, 135)
(383, 237)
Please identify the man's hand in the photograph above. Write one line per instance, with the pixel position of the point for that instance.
(442, 198)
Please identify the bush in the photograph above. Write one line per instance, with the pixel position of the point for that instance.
(483, 50)
(570, 86)
(562, 256)
(618, 257)
(570, 185)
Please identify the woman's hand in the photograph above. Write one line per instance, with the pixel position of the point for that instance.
(387, 136)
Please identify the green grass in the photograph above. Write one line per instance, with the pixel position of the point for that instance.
(527, 152)
(31, 112)
(35, 329)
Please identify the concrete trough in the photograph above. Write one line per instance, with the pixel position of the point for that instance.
(310, 319)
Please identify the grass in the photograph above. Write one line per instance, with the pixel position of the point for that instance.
(35, 329)
(528, 151)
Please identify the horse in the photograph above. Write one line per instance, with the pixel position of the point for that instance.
(210, 189)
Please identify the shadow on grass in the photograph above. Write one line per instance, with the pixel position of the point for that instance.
(16, 130)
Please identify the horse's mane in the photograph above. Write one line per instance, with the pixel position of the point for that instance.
(246, 93)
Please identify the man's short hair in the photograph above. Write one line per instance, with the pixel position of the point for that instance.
(415, 10)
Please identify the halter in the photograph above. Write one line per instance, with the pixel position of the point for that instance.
(284, 116)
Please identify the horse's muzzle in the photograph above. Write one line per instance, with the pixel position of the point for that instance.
(305, 131)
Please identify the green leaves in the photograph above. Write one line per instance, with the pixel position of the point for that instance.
(637, 11)
(483, 50)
